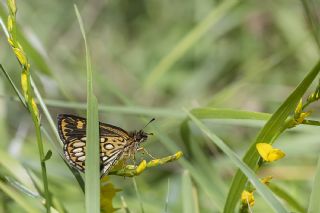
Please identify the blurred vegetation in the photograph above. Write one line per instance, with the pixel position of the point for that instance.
(226, 61)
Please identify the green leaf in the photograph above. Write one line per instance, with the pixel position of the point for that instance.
(189, 195)
(92, 172)
(48, 155)
(267, 134)
(260, 187)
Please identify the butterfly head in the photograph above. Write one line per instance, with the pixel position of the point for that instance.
(141, 136)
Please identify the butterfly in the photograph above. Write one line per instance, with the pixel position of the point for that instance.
(115, 143)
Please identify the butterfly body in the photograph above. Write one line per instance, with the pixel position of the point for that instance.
(115, 143)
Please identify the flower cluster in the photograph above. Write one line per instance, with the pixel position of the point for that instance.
(268, 155)
(28, 101)
(132, 170)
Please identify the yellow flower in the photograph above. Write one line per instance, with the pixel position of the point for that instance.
(268, 153)
(247, 198)
(266, 180)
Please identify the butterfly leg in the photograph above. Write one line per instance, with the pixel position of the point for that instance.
(145, 151)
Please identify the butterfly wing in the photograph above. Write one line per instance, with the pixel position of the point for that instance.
(72, 131)
(113, 141)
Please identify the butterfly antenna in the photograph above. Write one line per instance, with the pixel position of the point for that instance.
(148, 123)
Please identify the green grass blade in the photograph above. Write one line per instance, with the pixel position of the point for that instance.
(189, 196)
(216, 113)
(287, 197)
(15, 88)
(314, 204)
(166, 207)
(271, 128)
(138, 194)
(260, 187)
(216, 192)
(92, 174)
(189, 40)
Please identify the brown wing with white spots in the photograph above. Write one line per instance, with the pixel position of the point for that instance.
(113, 141)
(72, 131)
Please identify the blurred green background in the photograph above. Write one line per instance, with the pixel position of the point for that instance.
(151, 59)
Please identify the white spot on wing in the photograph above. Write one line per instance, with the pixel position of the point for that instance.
(108, 146)
(78, 154)
(82, 158)
(77, 150)
(79, 144)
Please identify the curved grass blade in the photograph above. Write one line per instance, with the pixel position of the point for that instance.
(270, 129)
(260, 187)
(92, 174)
(189, 195)
(287, 197)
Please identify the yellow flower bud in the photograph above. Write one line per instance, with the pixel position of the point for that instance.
(298, 108)
(302, 117)
(21, 56)
(35, 108)
(10, 23)
(12, 6)
(11, 42)
(266, 180)
(24, 83)
(142, 166)
(178, 155)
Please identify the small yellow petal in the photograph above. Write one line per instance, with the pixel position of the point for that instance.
(264, 150)
(247, 198)
(275, 154)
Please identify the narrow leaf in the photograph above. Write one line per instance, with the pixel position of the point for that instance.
(92, 174)
(261, 188)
